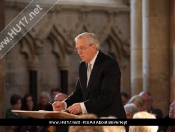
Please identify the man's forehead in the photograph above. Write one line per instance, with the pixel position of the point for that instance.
(144, 94)
(81, 41)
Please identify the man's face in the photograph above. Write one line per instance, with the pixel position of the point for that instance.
(148, 102)
(124, 100)
(85, 51)
(128, 114)
(172, 110)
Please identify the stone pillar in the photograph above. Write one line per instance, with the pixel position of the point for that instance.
(64, 81)
(172, 52)
(156, 43)
(136, 47)
(2, 68)
(33, 79)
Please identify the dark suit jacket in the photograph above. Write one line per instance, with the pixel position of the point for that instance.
(158, 113)
(102, 96)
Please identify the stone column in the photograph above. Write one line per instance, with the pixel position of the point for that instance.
(2, 68)
(33, 79)
(172, 51)
(156, 43)
(136, 47)
(64, 81)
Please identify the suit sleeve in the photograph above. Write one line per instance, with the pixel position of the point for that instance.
(76, 96)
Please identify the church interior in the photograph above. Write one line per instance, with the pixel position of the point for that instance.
(139, 34)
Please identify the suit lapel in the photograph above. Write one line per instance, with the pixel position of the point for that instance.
(94, 71)
(83, 77)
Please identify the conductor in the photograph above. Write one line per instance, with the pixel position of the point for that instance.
(97, 89)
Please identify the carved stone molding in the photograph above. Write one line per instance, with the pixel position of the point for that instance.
(64, 22)
(82, 7)
(29, 49)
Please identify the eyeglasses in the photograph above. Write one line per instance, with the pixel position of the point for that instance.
(81, 49)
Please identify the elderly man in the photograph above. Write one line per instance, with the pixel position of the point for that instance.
(60, 97)
(97, 89)
(169, 116)
(149, 105)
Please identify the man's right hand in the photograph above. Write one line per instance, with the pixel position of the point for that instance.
(57, 106)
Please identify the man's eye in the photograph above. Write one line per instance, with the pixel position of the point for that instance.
(81, 48)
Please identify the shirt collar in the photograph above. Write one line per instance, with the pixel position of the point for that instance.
(93, 60)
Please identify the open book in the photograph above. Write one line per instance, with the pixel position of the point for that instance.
(42, 114)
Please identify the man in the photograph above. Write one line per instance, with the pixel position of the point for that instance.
(169, 116)
(97, 89)
(149, 104)
(53, 93)
(60, 97)
(125, 98)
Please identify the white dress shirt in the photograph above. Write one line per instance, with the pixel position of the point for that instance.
(83, 108)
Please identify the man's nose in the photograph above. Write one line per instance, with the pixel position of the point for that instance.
(79, 52)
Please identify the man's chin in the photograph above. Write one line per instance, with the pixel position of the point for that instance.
(84, 60)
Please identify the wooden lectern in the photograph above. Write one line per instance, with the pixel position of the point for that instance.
(42, 114)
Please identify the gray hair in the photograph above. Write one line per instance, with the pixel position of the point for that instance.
(45, 94)
(132, 108)
(145, 92)
(91, 38)
(137, 100)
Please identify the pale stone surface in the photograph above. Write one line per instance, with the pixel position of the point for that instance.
(17, 74)
(156, 7)
(158, 67)
(157, 32)
(160, 93)
(156, 47)
(110, 3)
(136, 47)
(136, 72)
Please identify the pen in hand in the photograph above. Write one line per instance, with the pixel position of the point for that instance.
(49, 102)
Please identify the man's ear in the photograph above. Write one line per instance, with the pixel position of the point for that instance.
(94, 47)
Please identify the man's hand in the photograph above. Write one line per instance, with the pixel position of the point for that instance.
(75, 108)
(57, 106)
